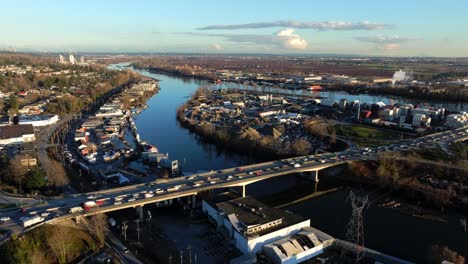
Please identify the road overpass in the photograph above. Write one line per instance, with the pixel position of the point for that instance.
(136, 196)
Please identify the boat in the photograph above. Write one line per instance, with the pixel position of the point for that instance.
(149, 148)
(315, 88)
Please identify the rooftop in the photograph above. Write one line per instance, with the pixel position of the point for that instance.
(251, 213)
(15, 131)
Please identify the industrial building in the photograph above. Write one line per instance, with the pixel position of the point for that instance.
(251, 224)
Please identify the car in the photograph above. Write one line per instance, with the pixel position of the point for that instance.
(21, 210)
(297, 165)
(251, 172)
(23, 218)
(45, 214)
(131, 199)
(240, 177)
(125, 250)
(5, 218)
(322, 161)
(118, 202)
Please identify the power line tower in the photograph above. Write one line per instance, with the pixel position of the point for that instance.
(355, 227)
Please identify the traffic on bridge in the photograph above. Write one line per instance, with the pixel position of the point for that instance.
(80, 205)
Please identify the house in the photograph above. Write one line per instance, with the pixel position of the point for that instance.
(16, 134)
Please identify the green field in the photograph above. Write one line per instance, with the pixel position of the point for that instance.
(368, 136)
(5, 206)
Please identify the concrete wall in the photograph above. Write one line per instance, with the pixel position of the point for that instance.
(255, 245)
(275, 254)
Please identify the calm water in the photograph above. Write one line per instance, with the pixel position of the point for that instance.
(386, 230)
(158, 125)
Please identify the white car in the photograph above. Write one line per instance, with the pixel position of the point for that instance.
(118, 202)
(44, 214)
(131, 199)
(297, 165)
(5, 218)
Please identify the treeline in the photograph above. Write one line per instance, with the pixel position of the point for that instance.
(57, 243)
(20, 179)
(402, 175)
(262, 148)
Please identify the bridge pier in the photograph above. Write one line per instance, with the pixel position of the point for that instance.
(139, 211)
(316, 177)
(194, 201)
(78, 220)
(243, 190)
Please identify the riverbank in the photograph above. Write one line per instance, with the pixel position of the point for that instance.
(410, 92)
(330, 212)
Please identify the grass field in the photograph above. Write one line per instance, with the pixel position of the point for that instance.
(368, 136)
(5, 206)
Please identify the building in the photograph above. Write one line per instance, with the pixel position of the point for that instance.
(16, 134)
(252, 224)
(306, 244)
(457, 120)
(38, 120)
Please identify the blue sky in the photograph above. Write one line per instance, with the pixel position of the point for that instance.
(393, 28)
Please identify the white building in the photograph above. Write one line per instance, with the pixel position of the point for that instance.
(251, 224)
(306, 244)
(16, 134)
(72, 59)
(38, 120)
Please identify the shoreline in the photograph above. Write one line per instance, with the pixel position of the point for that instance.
(351, 89)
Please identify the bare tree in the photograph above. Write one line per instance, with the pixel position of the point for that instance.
(300, 147)
(99, 227)
(441, 253)
(56, 174)
(39, 257)
(17, 170)
(59, 241)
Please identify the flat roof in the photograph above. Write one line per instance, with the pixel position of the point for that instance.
(15, 131)
(251, 212)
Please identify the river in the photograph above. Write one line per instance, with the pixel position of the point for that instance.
(386, 230)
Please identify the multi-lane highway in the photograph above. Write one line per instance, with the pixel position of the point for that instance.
(164, 189)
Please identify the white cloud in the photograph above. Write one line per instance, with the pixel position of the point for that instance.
(285, 39)
(216, 46)
(290, 40)
(386, 42)
(324, 25)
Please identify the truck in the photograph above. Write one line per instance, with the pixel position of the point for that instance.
(33, 220)
(173, 188)
(89, 204)
(76, 209)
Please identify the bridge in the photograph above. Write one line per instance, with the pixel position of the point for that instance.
(136, 196)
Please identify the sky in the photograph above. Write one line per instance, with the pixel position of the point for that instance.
(354, 27)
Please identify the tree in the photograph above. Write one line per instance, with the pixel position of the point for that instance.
(56, 174)
(17, 172)
(300, 147)
(99, 226)
(35, 179)
(441, 253)
(59, 243)
(12, 104)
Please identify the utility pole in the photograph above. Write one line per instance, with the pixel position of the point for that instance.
(124, 229)
(189, 248)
